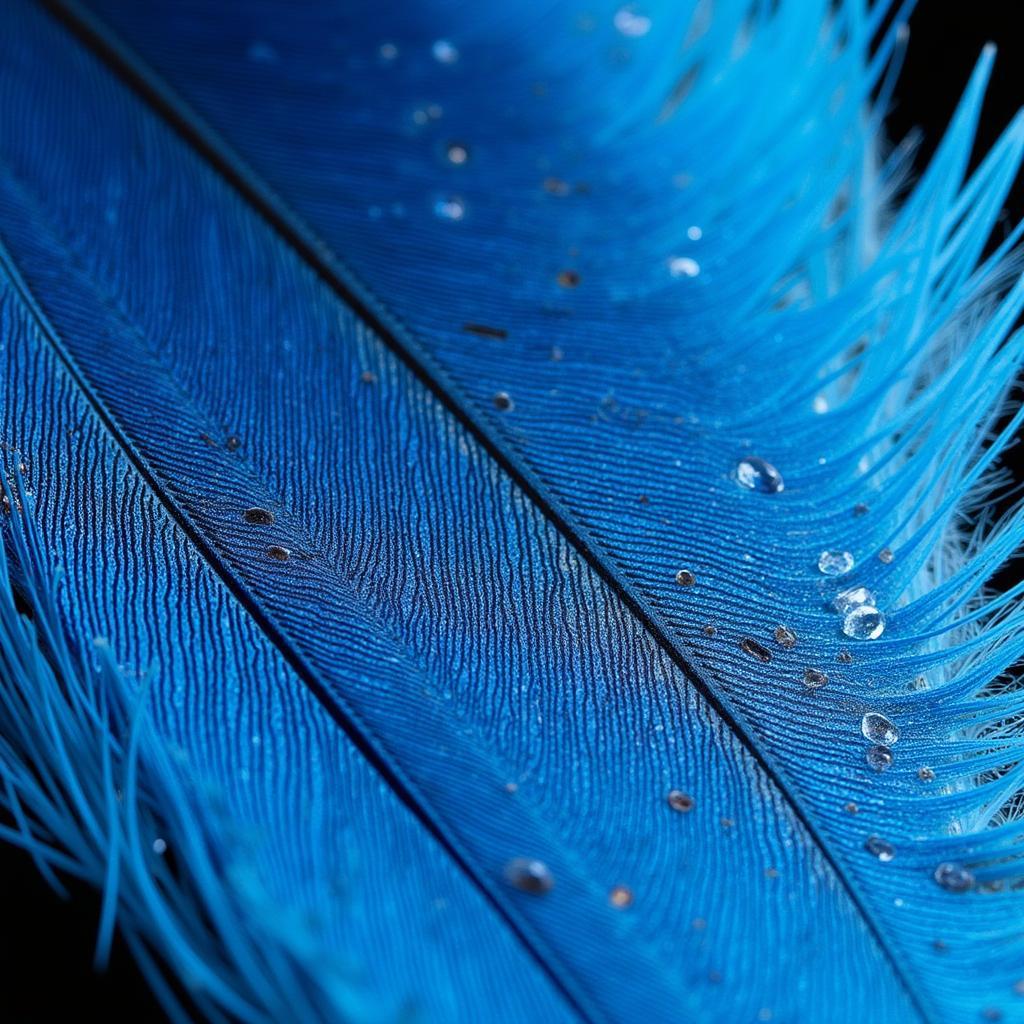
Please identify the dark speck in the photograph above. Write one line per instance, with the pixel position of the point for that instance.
(233, 443)
(680, 801)
(569, 278)
(503, 402)
(755, 650)
(258, 516)
(278, 553)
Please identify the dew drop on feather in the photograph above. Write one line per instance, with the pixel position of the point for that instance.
(457, 153)
(847, 600)
(879, 848)
(278, 553)
(756, 474)
(444, 52)
(864, 623)
(879, 758)
(954, 877)
(529, 875)
(878, 729)
(835, 563)
(503, 402)
(685, 578)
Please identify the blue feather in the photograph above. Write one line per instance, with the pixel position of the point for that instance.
(489, 316)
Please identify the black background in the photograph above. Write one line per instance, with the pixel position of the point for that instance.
(46, 944)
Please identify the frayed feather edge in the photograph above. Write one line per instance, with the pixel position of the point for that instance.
(90, 791)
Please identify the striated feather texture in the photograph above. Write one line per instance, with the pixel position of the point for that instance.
(384, 381)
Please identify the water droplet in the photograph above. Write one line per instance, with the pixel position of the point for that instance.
(388, 51)
(814, 679)
(864, 623)
(680, 801)
(846, 600)
(878, 729)
(844, 658)
(452, 208)
(835, 563)
(568, 278)
(885, 556)
(620, 897)
(926, 774)
(694, 233)
(683, 266)
(629, 23)
(233, 443)
(879, 758)
(160, 846)
(710, 630)
(851, 808)
(820, 405)
(755, 650)
(278, 553)
(258, 516)
(954, 877)
(529, 875)
(457, 153)
(685, 578)
(757, 475)
(785, 637)
(503, 402)
(879, 848)
(444, 52)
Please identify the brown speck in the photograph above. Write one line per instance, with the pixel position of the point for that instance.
(940, 947)
(685, 578)
(680, 801)
(278, 553)
(710, 630)
(771, 872)
(844, 657)
(726, 822)
(851, 808)
(568, 278)
(785, 637)
(644, 500)
(486, 332)
(556, 187)
(620, 897)
(503, 402)
(368, 377)
(860, 509)
(755, 650)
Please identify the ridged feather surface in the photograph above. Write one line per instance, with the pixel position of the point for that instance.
(430, 632)
(621, 256)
